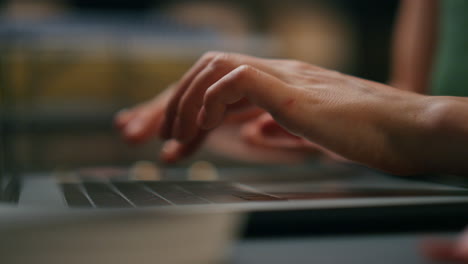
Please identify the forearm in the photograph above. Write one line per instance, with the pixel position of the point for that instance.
(437, 142)
(396, 131)
(413, 45)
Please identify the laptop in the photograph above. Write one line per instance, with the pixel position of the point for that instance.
(278, 201)
(124, 215)
(313, 199)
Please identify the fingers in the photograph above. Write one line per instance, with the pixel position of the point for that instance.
(248, 82)
(187, 100)
(174, 151)
(177, 119)
(122, 117)
(182, 86)
(189, 104)
(143, 122)
(144, 125)
(233, 81)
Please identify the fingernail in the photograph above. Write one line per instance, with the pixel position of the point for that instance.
(134, 128)
(119, 116)
(169, 151)
(122, 112)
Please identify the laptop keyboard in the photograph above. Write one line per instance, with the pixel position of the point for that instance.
(157, 193)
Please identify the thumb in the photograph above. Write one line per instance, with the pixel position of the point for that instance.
(265, 131)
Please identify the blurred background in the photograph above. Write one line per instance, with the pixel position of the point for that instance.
(66, 66)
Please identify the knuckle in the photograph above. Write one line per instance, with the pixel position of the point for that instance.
(304, 67)
(209, 96)
(243, 71)
(299, 64)
(221, 60)
(209, 55)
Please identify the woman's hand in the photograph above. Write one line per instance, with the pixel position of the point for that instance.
(250, 136)
(360, 120)
(363, 121)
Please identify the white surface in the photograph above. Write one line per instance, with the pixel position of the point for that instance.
(98, 237)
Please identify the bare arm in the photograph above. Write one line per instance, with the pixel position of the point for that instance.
(414, 42)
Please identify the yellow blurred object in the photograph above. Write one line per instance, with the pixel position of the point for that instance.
(202, 171)
(314, 33)
(49, 77)
(145, 171)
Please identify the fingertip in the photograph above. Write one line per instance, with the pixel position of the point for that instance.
(248, 133)
(134, 128)
(167, 159)
(121, 112)
(170, 151)
(121, 118)
(136, 132)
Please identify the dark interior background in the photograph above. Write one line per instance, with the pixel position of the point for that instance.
(60, 89)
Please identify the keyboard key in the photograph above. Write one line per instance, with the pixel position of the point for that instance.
(103, 196)
(217, 192)
(138, 195)
(174, 193)
(74, 195)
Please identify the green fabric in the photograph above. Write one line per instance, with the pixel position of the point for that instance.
(450, 76)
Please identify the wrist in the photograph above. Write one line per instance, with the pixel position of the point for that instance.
(408, 126)
(440, 143)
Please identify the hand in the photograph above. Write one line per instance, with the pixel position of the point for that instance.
(143, 122)
(250, 136)
(361, 120)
